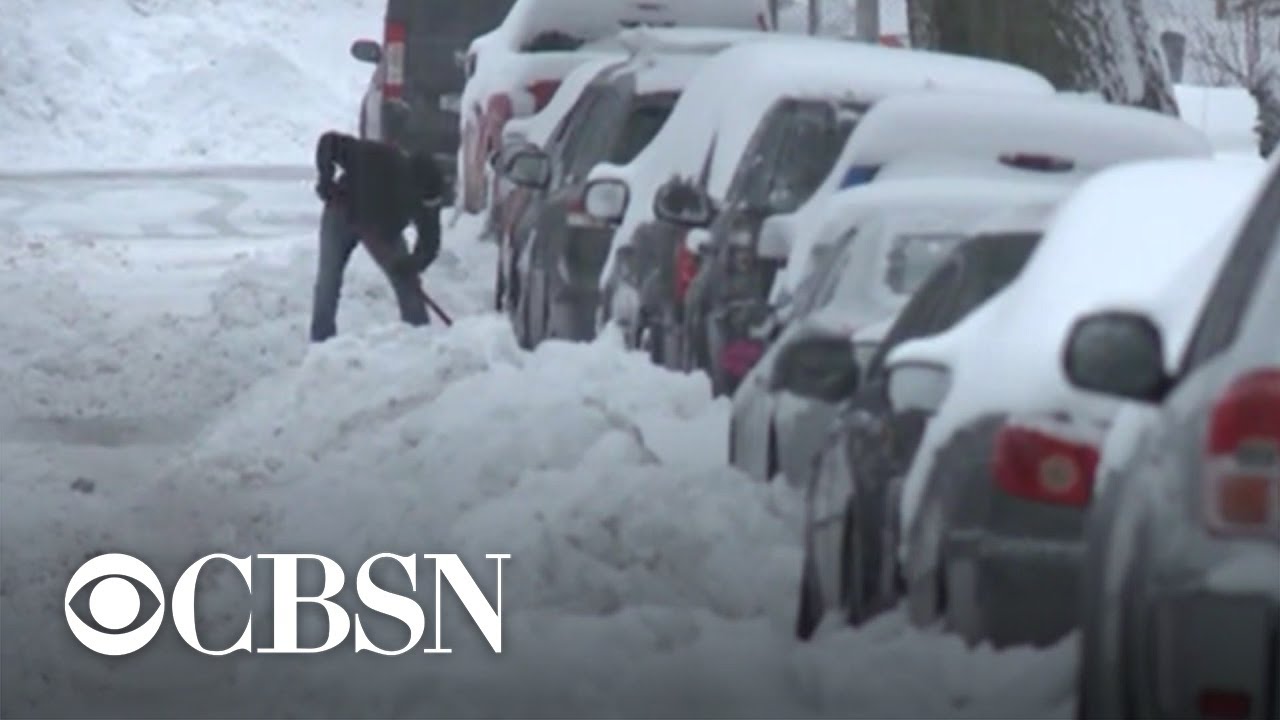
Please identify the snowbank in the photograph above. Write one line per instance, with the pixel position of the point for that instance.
(175, 82)
(646, 576)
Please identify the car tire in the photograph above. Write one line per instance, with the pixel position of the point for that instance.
(771, 461)
(809, 609)
(853, 572)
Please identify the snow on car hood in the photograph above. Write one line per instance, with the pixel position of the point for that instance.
(1118, 242)
(719, 110)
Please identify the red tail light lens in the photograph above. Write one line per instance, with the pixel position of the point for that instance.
(1035, 465)
(686, 269)
(542, 92)
(393, 57)
(1242, 448)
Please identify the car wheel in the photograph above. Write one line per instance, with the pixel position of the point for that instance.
(771, 462)
(926, 593)
(853, 567)
(809, 609)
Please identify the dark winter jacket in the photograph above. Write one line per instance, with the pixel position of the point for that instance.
(383, 189)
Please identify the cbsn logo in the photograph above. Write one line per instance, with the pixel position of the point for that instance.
(118, 625)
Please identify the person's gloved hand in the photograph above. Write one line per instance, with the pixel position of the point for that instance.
(326, 189)
(414, 263)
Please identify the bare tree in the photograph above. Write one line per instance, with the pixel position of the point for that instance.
(1107, 47)
(1237, 45)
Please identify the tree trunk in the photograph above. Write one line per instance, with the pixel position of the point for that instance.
(1098, 46)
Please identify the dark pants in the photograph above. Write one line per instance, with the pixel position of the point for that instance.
(338, 238)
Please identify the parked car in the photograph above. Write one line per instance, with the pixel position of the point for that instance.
(556, 246)
(754, 149)
(879, 243)
(986, 135)
(515, 70)
(414, 93)
(993, 504)
(1180, 611)
(850, 496)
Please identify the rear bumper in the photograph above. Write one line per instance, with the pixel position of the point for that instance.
(1205, 648)
(1013, 590)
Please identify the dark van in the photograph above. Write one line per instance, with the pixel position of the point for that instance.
(414, 94)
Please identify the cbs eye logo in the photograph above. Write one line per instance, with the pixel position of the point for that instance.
(107, 604)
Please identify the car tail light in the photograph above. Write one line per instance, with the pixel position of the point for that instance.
(542, 92)
(1036, 465)
(393, 53)
(1039, 163)
(1242, 474)
(686, 269)
(1224, 704)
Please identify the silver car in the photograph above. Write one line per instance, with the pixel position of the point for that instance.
(1181, 579)
(878, 244)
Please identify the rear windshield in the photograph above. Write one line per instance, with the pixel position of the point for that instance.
(996, 260)
(642, 126)
(912, 258)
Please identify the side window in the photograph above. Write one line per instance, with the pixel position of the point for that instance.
(573, 125)
(809, 148)
(922, 315)
(597, 133)
(1220, 320)
(752, 178)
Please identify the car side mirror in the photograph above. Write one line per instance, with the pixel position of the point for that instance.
(817, 368)
(367, 51)
(1119, 354)
(528, 167)
(775, 237)
(606, 199)
(917, 386)
(683, 204)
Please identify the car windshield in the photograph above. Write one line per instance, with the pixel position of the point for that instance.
(912, 257)
(643, 124)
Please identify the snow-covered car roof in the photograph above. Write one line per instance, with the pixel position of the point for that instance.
(724, 103)
(928, 202)
(963, 134)
(1089, 135)
(600, 19)
(661, 59)
(1119, 241)
(940, 210)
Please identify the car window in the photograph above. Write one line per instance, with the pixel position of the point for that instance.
(752, 176)
(814, 135)
(642, 125)
(992, 263)
(913, 257)
(920, 317)
(573, 122)
(1219, 322)
(592, 143)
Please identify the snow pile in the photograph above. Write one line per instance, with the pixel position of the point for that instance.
(1227, 115)
(79, 353)
(646, 578)
(173, 82)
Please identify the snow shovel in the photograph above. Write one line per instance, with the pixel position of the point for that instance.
(378, 253)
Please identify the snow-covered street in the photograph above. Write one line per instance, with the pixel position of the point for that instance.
(160, 399)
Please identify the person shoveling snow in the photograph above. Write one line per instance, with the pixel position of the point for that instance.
(381, 190)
